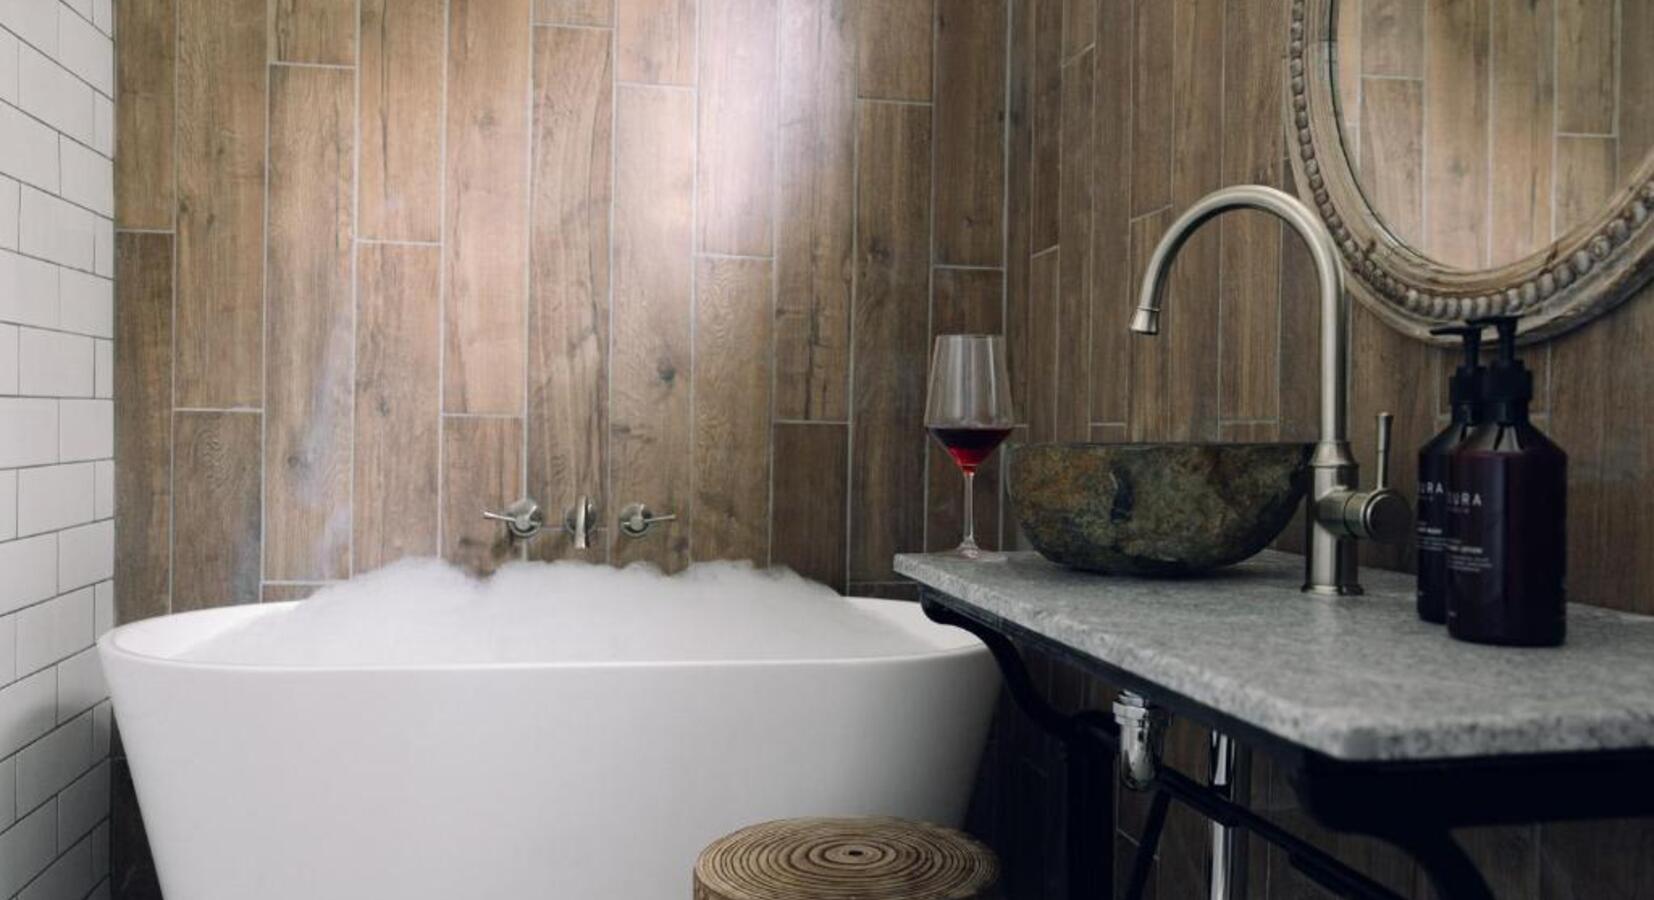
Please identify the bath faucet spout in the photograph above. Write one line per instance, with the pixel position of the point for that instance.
(1338, 512)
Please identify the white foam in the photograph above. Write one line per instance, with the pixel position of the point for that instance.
(429, 612)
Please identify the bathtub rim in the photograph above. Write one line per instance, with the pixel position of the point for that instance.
(958, 643)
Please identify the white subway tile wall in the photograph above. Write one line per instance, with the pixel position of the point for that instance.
(57, 472)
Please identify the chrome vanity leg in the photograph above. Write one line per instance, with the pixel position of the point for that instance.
(1230, 765)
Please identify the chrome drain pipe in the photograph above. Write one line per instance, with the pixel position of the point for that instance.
(1231, 776)
(1142, 737)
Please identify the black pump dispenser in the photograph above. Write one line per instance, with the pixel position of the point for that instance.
(1506, 515)
(1435, 458)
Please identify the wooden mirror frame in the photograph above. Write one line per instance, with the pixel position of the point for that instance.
(1587, 272)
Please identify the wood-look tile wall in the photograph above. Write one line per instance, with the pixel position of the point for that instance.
(1124, 111)
(406, 262)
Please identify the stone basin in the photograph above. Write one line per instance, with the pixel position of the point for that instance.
(1155, 509)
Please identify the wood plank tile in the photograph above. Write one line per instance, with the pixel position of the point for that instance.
(1113, 294)
(816, 183)
(1044, 328)
(1191, 334)
(1073, 386)
(1585, 179)
(215, 509)
(1348, 76)
(1586, 91)
(1185, 844)
(732, 401)
(1045, 177)
(401, 126)
(1390, 373)
(890, 337)
(309, 304)
(482, 468)
(895, 40)
(143, 430)
(963, 301)
(487, 241)
(1456, 86)
(282, 593)
(398, 400)
(220, 171)
(737, 97)
(1520, 147)
(655, 41)
(1392, 38)
(1250, 254)
(650, 439)
(1149, 412)
(313, 31)
(1018, 228)
(1595, 859)
(568, 316)
(970, 110)
(1508, 858)
(1151, 125)
(1079, 26)
(808, 518)
(574, 12)
(1392, 134)
(1636, 86)
(145, 59)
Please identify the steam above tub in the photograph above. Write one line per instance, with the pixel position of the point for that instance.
(423, 612)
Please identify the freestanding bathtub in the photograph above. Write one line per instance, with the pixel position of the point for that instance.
(522, 781)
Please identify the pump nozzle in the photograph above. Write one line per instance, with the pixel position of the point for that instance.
(1508, 385)
(1506, 327)
(1472, 337)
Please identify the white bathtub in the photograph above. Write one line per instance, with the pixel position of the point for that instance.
(522, 781)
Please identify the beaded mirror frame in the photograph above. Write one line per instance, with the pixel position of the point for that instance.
(1586, 273)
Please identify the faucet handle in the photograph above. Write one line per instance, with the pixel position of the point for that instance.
(522, 519)
(1385, 422)
(580, 521)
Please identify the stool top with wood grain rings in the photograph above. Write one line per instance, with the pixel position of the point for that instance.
(845, 859)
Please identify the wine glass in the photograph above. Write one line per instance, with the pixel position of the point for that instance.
(969, 412)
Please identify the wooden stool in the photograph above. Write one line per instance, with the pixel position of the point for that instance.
(846, 859)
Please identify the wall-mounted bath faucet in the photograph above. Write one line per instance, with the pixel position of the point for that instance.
(637, 519)
(523, 519)
(1338, 512)
(580, 521)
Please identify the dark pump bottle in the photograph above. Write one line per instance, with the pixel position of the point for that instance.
(1465, 394)
(1507, 502)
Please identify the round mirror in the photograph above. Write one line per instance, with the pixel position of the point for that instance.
(1479, 157)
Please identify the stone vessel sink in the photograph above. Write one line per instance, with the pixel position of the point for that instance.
(1155, 509)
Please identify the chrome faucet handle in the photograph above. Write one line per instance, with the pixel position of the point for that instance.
(1385, 422)
(523, 519)
(637, 519)
(580, 521)
(1381, 514)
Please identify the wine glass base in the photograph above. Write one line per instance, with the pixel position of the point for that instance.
(976, 554)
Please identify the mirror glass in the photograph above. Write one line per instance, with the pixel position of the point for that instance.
(1483, 130)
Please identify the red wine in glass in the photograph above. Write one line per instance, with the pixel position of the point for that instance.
(970, 447)
(968, 411)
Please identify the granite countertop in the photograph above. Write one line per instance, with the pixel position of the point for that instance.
(1355, 678)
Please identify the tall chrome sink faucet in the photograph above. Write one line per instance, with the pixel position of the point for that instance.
(1338, 512)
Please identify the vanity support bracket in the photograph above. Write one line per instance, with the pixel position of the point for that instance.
(1088, 748)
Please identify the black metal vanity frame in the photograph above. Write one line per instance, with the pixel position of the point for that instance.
(1412, 805)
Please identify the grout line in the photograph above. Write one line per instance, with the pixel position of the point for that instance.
(930, 297)
(607, 442)
(264, 336)
(896, 102)
(787, 421)
(702, 254)
(355, 285)
(172, 355)
(959, 268)
(1005, 244)
(524, 489)
(775, 279)
(1047, 251)
(442, 288)
(167, 231)
(510, 416)
(682, 88)
(572, 26)
(687, 515)
(312, 65)
(388, 242)
(850, 349)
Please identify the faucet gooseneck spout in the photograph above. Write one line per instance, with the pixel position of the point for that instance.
(1338, 513)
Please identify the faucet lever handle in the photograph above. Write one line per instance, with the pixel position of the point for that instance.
(1385, 422)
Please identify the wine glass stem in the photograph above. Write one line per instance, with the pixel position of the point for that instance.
(970, 511)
